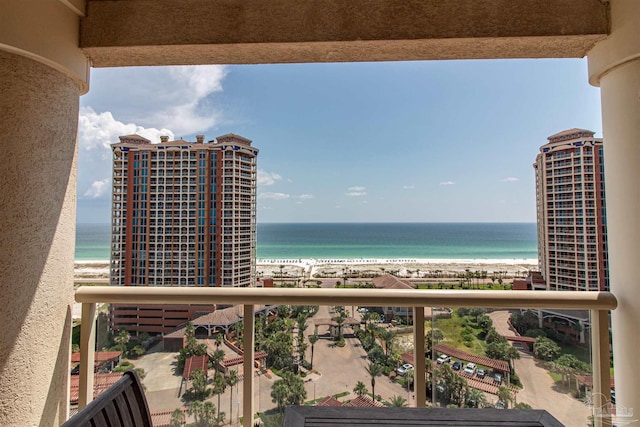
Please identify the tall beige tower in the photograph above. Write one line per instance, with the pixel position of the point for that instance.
(572, 221)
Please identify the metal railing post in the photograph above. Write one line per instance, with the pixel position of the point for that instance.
(87, 353)
(600, 397)
(419, 383)
(247, 363)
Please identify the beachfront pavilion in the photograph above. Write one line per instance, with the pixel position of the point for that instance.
(47, 50)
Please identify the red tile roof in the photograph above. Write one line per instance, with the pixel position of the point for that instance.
(101, 382)
(359, 401)
(238, 360)
(163, 418)
(329, 401)
(588, 380)
(485, 384)
(500, 365)
(392, 282)
(408, 358)
(195, 362)
(364, 402)
(101, 356)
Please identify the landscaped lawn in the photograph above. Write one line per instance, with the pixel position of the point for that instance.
(452, 330)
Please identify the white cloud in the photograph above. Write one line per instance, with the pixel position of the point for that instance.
(97, 131)
(267, 178)
(447, 183)
(356, 191)
(274, 196)
(148, 101)
(189, 112)
(306, 196)
(510, 179)
(97, 189)
(408, 187)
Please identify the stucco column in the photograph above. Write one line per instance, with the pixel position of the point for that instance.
(614, 65)
(42, 74)
(38, 126)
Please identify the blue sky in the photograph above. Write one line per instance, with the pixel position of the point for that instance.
(439, 141)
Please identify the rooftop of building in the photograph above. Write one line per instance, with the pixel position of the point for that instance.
(569, 134)
(228, 138)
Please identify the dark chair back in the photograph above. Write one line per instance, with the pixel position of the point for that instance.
(121, 405)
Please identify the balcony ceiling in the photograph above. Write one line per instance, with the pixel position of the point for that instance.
(166, 32)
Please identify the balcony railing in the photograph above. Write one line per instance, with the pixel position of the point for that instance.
(598, 303)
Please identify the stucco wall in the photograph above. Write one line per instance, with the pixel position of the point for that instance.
(38, 125)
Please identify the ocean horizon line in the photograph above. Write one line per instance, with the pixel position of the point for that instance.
(360, 222)
(368, 260)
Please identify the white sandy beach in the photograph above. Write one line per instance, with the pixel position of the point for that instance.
(405, 267)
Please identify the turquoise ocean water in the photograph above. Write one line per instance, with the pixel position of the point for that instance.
(365, 240)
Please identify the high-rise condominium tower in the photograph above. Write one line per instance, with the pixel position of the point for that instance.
(183, 213)
(572, 221)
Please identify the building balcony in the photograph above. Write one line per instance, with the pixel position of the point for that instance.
(598, 303)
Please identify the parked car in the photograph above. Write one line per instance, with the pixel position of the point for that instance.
(481, 373)
(404, 368)
(362, 310)
(497, 378)
(457, 365)
(443, 359)
(470, 369)
(499, 405)
(613, 396)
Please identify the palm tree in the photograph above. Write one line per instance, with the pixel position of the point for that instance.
(238, 327)
(195, 409)
(177, 418)
(428, 367)
(511, 354)
(476, 399)
(360, 388)
(398, 401)
(410, 375)
(232, 380)
(217, 357)
(375, 370)
(505, 395)
(219, 385)
(219, 340)
(199, 385)
(313, 339)
(434, 336)
(340, 320)
(122, 339)
(289, 390)
(388, 337)
(366, 317)
(372, 327)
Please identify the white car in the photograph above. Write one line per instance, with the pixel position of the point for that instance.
(470, 369)
(443, 359)
(404, 368)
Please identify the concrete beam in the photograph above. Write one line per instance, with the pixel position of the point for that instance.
(151, 32)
